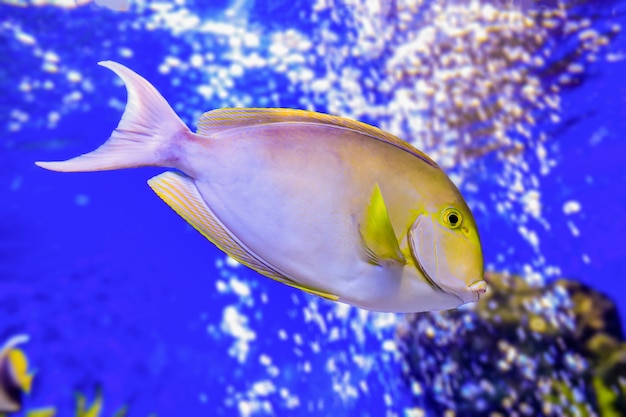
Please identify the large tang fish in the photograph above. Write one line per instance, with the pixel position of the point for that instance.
(331, 206)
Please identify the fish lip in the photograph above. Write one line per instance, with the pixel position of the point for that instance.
(478, 288)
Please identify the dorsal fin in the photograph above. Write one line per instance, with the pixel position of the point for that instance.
(224, 119)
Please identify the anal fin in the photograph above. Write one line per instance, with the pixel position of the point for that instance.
(181, 194)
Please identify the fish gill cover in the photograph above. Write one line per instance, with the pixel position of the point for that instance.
(487, 88)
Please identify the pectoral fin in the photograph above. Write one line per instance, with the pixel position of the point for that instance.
(377, 232)
(181, 194)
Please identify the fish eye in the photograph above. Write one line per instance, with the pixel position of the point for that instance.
(452, 218)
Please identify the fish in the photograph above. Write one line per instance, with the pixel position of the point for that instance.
(328, 205)
(15, 379)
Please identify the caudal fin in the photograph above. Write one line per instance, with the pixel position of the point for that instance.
(142, 136)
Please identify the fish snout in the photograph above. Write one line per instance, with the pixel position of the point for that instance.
(478, 288)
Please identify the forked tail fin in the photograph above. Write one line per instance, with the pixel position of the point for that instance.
(142, 136)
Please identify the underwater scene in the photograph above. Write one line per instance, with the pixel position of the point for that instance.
(309, 264)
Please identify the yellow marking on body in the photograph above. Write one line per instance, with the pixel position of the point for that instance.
(19, 367)
(182, 195)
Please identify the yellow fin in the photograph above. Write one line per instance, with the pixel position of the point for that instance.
(19, 368)
(312, 291)
(377, 232)
(224, 119)
(182, 195)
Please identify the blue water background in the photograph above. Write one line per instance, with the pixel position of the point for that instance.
(116, 290)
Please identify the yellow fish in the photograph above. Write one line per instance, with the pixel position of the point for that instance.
(331, 206)
(15, 380)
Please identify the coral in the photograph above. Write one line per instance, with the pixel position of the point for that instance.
(82, 409)
(96, 407)
(522, 350)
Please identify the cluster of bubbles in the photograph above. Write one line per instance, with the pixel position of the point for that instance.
(356, 350)
(467, 82)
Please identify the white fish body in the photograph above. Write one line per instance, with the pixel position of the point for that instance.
(298, 196)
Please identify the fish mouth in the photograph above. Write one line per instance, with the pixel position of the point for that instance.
(478, 288)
